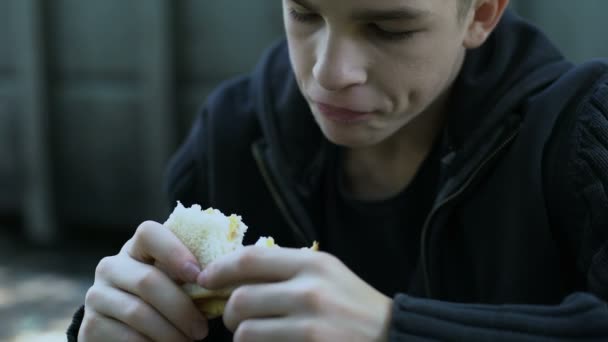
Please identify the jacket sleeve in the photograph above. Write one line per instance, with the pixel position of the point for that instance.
(580, 316)
(74, 327)
(576, 188)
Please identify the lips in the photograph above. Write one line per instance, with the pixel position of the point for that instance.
(341, 114)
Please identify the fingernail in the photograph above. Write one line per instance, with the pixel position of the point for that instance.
(200, 330)
(191, 271)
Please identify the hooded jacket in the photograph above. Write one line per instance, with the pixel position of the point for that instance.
(516, 244)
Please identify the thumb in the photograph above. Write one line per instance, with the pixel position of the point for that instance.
(157, 245)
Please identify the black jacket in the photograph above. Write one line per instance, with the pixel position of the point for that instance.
(516, 245)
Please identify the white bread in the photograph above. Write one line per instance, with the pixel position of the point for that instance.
(208, 234)
(268, 242)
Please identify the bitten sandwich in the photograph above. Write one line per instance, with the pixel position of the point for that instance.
(209, 234)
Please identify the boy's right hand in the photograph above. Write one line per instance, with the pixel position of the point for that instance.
(137, 296)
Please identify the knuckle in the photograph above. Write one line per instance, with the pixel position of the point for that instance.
(144, 229)
(324, 262)
(247, 259)
(326, 258)
(311, 332)
(245, 332)
(92, 297)
(129, 335)
(147, 280)
(312, 298)
(235, 308)
(94, 328)
(135, 311)
(104, 266)
(90, 324)
(239, 299)
(229, 322)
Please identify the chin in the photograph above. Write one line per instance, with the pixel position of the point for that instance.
(350, 137)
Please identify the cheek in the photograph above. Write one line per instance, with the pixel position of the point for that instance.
(406, 85)
(302, 60)
(414, 84)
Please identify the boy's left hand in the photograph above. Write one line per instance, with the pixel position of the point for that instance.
(297, 295)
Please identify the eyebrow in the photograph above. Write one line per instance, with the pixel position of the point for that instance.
(401, 13)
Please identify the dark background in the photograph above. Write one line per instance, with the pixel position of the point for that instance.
(94, 98)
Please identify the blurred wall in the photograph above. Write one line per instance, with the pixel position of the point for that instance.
(95, 95)
(580, 28)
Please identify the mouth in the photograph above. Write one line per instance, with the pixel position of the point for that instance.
(340, 114)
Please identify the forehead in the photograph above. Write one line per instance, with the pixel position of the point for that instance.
(354, 8)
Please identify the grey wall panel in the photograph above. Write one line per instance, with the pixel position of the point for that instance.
(9, 133)
(7, 37)
(97, 154)
(219, 38)
(216, 41)
(192, 99)
(100, 37)
(10, 152)
(110, 87)
(579, 28)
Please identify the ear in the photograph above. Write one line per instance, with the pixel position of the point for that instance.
(481, 22)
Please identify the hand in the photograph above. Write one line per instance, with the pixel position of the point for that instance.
(296, 295)
(136, 295)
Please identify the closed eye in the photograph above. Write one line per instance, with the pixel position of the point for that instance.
(305, 17)
(389, 35)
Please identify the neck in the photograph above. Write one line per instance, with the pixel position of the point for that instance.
(382, 171)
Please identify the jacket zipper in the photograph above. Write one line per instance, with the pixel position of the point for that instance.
(272, 187)
(448, 199)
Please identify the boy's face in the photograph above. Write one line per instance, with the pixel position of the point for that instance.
(367, 68)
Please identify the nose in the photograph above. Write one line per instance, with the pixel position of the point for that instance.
(339, 64)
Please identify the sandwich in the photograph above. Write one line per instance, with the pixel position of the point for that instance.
(209, 234)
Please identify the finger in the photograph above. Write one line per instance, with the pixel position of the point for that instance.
(96, 327)
(253, 265)
(170, 272)
(154, 243)
(279, 329)
(257, 301)
(293, 297)
(132, 311)
(158, 290)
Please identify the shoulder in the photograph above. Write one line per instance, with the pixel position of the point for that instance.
(234, 113)
(582, 125)
(224, 129)
(573, 89)
(585, 139)
(575, 166)
(245, 93)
